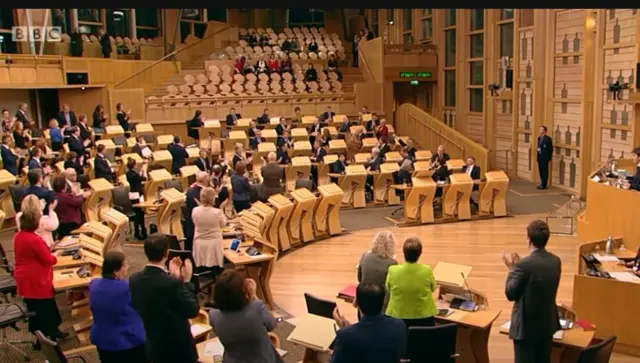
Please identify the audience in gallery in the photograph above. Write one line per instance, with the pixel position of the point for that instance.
(242, 321)
(165, 300)
(208, 221)
(117, 330)
(33, 272)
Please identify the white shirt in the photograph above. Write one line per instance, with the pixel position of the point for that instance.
(470, 169)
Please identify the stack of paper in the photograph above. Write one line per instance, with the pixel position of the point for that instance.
(625, 276)
(605, 258)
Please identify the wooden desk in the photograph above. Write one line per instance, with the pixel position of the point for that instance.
(608, 303)
(353, 183)
(66, 279)
(455, 202)
(6, 203)
(382, 182)
(422, 169)
(308, 120)
(162, 141)
(170, 212)
(337, 146)
(277, 233)
(117, 222)
(361, 158)
(323, 168)
(369, 143)
(418, 200)
(259, 268)
(256, 220)
(299, 134)
(299, 169)
(315, 334)
(301, 148)
(423, 155)
(67, 262)
(332, 131)
(609, 210)
(264, 148)
(269, 135)
(163, 157)
(185, 173)
(493, 194)
(111, 131)
(100, 199)
(193, 153)
(567, 349)
(155, 185)
(327, 211)
(300, 224)
(144, 129)
(393, 157)
(455, 165)
(236, 137)
(211, 128)
(203, 358)
(242, 124)
(109, 148)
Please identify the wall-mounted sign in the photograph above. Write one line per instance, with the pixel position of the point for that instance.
(414, 82)
(415, 75)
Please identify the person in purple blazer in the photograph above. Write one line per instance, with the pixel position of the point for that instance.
(117, 329)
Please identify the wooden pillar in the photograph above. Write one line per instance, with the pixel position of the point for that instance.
(543, 20)
(491, 55)
(462, 69)
(590, 79)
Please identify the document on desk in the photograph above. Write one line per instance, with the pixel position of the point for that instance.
(197, 329)
(605, 258)
(313, 331)
(558, 335)
(625, 276)
(214, 348)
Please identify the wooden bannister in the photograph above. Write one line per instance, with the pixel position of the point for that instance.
(128, 82)
(430, 132)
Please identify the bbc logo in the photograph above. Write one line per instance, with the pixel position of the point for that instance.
(49, 34)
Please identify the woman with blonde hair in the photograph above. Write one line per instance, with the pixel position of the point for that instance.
(48, 224)
(354, 142)
(374, 264)
(208, 253)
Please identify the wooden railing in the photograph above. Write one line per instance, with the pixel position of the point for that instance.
(187, 52)
(430, 132)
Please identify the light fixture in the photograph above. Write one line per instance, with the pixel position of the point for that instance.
(494, 88)
(390, 22)
(617, 88)
(118, 13)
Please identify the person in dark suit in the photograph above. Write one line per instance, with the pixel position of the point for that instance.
(285, 138)
(320, 151)
(282, 126)
(122, 339)
(139, 145)
(77, 45)
(203, 163)
(373, 164)
(123, 117)
(105, 43)
(545, 153)
(440, 158)
(345, 127)
(376, 338)
(9, 157)
(256, 139)
(314, 131)
(135, 180)
(193, 198)
(233, 117)
(328, 115)
(76, 145)
(473, 170)
(272, 177)
(36, 180)
(241, 188)
(35, 162)
(311, 74)
(85, 130)
(264, 119)
(66, 117)
(283, 153)
(101, 166)
(165, 300)
(372, 124)
(196, 123)
(633, 182)
(383, 145)
(99, 118)
(22, 116)
(71, 162)
(313, 46)
(338, 167)
(532, 284)
(237, 155)
(179, 154)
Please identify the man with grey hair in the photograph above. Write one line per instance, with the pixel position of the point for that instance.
(71, 176)
(193, 200)
(272, 177)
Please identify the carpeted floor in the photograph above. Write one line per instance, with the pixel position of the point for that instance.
(523, 198)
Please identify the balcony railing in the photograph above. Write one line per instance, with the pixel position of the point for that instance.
(410, 48)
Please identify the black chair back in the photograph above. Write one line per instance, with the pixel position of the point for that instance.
(120, 140)
(432, 343)
(149, 139)
(51, 350)
(4, 260)
(320, 307)
(192, 133)
(121, 201)
(17, 194)
(302, 183)
(173, 184)
(598, 353)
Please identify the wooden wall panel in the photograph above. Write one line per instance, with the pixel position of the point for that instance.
(567, 97)
(503, 133)
(615, 126)
(10, 98)
(475, 127)
(524, 112)
(131, 99)
(84, 101)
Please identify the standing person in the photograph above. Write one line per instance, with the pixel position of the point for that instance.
(545, 152)
(193, 200)
(69, 207)
(105, 43)
(119, 339)
(135, 180)
(241, 188)
(208, 253)
(354, 54)
(48, 224)
(34, 277)
(179, 154)
(99, 119)
(8, 155)
(123, 118)
(77, 45)
(532, 284)
(165, 300)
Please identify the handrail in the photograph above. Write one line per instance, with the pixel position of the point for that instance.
(170, 55)
(366, 64)
(438, 132)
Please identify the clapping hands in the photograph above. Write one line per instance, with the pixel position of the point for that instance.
(181, 270)
(510, 260)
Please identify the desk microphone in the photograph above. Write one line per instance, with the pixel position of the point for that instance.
(466, 284)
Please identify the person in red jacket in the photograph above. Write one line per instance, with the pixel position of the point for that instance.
(34, 277)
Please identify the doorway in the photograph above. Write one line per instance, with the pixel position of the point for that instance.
(48, 105)
(420, 94)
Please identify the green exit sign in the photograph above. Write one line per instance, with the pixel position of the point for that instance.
(421, 75)
(414, 82)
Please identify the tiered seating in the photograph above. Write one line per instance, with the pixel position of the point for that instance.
(327, 44)
(142, 48)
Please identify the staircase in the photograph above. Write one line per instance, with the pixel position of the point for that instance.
(350, 76)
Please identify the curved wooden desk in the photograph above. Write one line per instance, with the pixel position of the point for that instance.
(323, 169)
(301, 148)
(609, 304)
(299, 169)
(327, 211)
(100, 200)
(185, 173)
(418, 202)
(353, 183)
(6, 203)
(256, 220)
(300, 224)
(382, 182)
(455, 202)
(493, 194)
(155, 185)
(118, 223)
(277, 232)
(163, 157)
(170, 212)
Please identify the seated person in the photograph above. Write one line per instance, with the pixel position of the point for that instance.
(101, 166)
(338, 167)
(286, 64)
(141, 148)
(372, 124)
(203, 163)
(313, 46)
(311, 74)
(327, 116)
(440, 157)
(233, 117)
(634, 182)
(282, 126)
(297, 117)
(363, 111)
(345, 127)
(409, 147)
(238, 65)
(256, 140)
(383, 146)
(295, 46)
(283, 154)
(474, 172)
(332, 66)
(264, 40)
(406, 168)
(319, 152)
(382, 129)
(264, 119)
(286, 45)
(261, 66)
(248, 68)
(252, 129)
(285, 139)
(634, 264)
(272, 64)
(376, 337)
(326, 137)
(314, 131)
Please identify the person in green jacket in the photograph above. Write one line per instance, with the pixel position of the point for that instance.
(411, 286)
